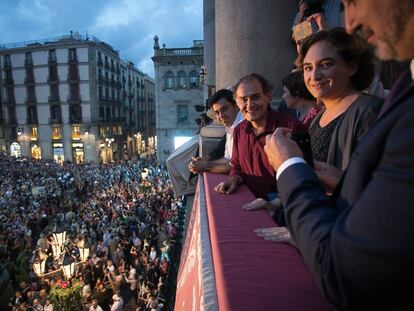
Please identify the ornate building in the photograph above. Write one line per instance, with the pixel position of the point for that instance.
(71, 98)
(177, 92)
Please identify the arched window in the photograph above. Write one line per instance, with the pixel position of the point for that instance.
(193, 79)
(182, 83)
(169, 80)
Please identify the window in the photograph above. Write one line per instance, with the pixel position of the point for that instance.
(193, 79)
(56, 132)
(54, 92)
(55, 113)
(7, 61)
(74, 92)
(75, 114)
(101, 113)
(102, 131)
(30, 92)
(29, 59)
(31, 114)
(33, 133)
(76, 133)
(72, 54)
(182, 115)
(52, 55)
(169, 80)
(182, 80)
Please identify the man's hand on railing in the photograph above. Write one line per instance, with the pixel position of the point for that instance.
(229, 186)
(276, 234)
(271, 206)
(198, 164)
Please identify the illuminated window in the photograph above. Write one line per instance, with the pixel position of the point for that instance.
(56, 132)
(76, 133)
(36, 152)
(33, 133)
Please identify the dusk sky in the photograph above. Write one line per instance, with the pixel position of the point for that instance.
(128, 25)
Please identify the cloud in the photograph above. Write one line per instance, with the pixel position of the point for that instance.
(127, 25)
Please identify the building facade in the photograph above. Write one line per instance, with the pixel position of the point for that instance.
(178, 91)
(66, 99)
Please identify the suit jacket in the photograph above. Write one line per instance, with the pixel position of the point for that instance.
(360, 247)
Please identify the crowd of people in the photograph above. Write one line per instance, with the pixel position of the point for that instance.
(124, 213)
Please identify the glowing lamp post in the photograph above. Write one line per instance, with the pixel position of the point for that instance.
(68, 267)
(37, 267)
(60, 238)
(84, 253)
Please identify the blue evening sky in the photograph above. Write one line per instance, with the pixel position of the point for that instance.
(128, 25)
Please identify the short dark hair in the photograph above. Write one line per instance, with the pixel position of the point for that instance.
(351, 48)
(296, 85)
(266, 86)
(223, 93)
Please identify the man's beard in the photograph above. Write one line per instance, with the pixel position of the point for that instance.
(385, 50)
(400, 14)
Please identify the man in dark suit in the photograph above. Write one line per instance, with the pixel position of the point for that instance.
(359, 245)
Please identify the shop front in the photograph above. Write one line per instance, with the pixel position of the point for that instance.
(58, 152)
(35, 151)
(78, 154)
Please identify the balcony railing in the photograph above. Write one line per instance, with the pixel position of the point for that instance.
(179, 52)
(53, 79)
(55, 120)
(53, 98)
(272, 276)
(32, 120)
(74, 98)
(8, 81)
(75, 119)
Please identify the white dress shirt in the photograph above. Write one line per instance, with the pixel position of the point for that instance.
(229, 135)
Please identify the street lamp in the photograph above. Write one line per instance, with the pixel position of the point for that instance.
(37, 267)
(60, 238)
(84, 253)
(68, 266)
(56, 249)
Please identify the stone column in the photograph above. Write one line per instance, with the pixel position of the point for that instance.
(209, 57)
(254, 36)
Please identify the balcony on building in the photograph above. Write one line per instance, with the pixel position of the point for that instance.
(74, 99)
(28, 63)
(29, 80)
(53, 99)
(52, 60)
(55, 120)
(32, 120)
(53, 78)
(237, 269)
(75, 114)
(7, 65)
(8, 81)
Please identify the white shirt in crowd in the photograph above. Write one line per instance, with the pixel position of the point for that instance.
(229, 136)
(118, 305)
